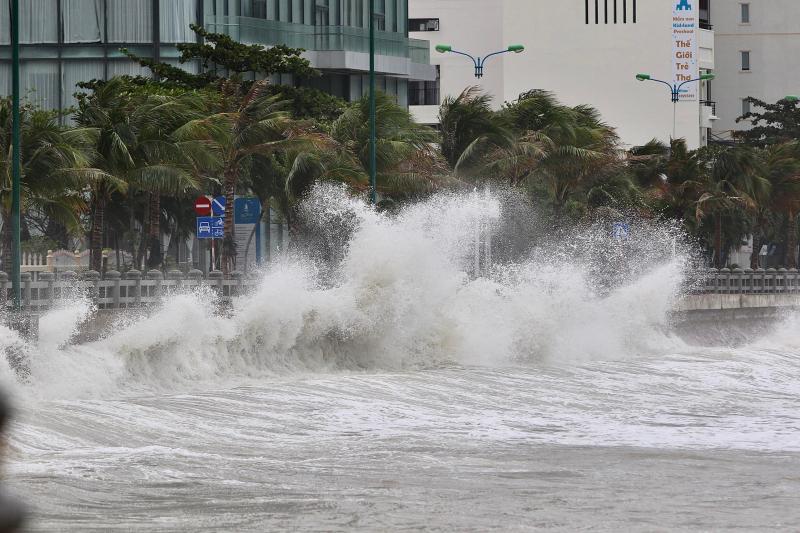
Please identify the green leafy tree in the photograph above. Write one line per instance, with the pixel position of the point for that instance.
(772, 123)
(55, 165)
(470, 129)
(408, 164)
(782, 163)
(731, 183)
(225, 60)
(560, 150)
(244, 127)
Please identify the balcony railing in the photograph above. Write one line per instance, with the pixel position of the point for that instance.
(319, 38)
(710, 103)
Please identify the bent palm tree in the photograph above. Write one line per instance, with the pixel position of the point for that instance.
(470, 129)
(247, 125)
(782, 162)
(407, 162)
(731, 179)
(54, 163)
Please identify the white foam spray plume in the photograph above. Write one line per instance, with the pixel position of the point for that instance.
(397, 294)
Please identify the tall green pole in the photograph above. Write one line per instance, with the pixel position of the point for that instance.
(16, 258)
(373, 157)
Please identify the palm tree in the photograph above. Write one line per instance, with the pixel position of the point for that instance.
(54, 165)
(407, 162)
(782, 162)
(163, 166)
(244, 127)
(107, 110)
(469, 129)
(731, 181)
(561, 149)
(284, 178)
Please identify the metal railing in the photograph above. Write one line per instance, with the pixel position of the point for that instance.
(710, 103)
(320, 38)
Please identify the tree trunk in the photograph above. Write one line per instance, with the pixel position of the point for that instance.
(98, 216)
(754, 255)
(229, 242)
(6, 243)
(154, 233)
(145, 239)
(718, 242)
(58, 233)
(791, 240)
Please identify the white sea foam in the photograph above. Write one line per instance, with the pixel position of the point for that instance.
(402, 296)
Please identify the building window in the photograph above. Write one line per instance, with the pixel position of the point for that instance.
(130, 21)
(423, 24)
(380, 15)
(424, 92)
(745, 106)
(259, 9)
(705, 15)
(610, 11)
(322, 13)
(745, 13)
(745, 60)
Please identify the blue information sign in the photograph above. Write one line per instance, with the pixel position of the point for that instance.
(218, 206)
(246, 210)
(620, 231)
(210, 227)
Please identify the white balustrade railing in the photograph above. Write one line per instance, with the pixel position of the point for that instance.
(136, 289)
(116, 291)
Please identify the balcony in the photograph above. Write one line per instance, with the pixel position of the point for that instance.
(319, 38)
(708, 113)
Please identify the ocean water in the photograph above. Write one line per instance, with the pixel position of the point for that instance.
(394, 390)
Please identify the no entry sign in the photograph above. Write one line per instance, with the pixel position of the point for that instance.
(202, 206)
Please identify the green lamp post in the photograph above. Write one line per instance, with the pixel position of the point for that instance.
(479, 62)
(16, 257)
(675, 93)
(373, 157)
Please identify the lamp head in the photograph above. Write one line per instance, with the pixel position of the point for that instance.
(443, 48)
(516, 48)
(643, 77)
(708, 77)
(792, 98)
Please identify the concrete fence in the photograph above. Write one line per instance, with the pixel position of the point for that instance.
(137, 289)
(116, 291)
(737, 281)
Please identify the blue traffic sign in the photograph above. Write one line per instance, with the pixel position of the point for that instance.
(218, 206)
(620, 231)
(210, 227)
(246, 210)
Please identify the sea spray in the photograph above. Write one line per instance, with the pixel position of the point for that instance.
(401, 293)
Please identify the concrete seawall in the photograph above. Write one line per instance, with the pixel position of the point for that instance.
(716, 318)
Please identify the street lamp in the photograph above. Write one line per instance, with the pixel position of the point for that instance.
(373, 129)
(792, 98)
(675, 93)
(16, 256)
(478, 61)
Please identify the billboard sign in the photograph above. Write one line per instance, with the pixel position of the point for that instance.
(685, 67)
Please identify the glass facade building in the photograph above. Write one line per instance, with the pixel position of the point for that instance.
(64, 42)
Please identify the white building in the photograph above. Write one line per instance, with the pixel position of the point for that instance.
(585, 51)
(758, 55)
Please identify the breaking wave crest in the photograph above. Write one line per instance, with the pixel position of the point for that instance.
(399, 292)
